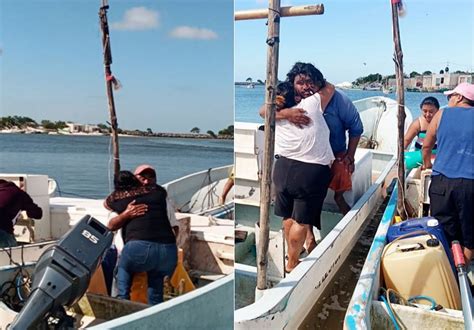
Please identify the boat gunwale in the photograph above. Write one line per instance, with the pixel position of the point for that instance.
(167, 305)
(358, 312)
(195, 174)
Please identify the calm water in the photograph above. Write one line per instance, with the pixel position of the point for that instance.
(82, 164)
(248, 101)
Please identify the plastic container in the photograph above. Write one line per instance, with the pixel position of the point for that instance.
(428, 224)
(419, 266)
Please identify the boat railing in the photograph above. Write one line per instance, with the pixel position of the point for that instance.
(198, 191)
(358, 311)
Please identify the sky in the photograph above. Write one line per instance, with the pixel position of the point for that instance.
(174, 59)
(353, 38)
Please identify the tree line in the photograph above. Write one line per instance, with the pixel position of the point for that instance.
(377, 77)
(24, 122)
(229, 131)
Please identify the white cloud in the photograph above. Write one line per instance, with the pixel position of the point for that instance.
(189, 32)
(138, 18)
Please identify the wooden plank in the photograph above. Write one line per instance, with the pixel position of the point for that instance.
(284, 12)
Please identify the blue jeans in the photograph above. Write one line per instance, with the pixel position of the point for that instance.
(109, 261)
(156, 259)
(7, 240)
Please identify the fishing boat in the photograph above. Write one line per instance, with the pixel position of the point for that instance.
(290, 297)
(373, 87)
(387, 90)
(208, 243)
(365, 310)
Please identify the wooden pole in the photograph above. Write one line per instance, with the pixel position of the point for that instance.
(398, 59)
(109, 79)
(273, 42)
(284, 12)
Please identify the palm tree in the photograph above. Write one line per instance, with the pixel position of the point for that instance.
(195, 130)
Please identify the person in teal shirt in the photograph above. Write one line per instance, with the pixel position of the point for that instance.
(429, 107)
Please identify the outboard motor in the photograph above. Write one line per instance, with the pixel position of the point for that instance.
(63, 272)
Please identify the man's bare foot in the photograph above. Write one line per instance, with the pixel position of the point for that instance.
(289, 268)
(311, 246)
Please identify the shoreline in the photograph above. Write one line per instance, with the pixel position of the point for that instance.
(165, 135)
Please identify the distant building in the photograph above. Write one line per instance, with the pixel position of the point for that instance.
(469, 78)
(73, 128)
(91, 128)
(444, 81)
(426, 80)
(81, 128)
(435, 81)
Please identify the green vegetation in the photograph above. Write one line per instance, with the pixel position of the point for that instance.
(229, 131)
(53, 125)
(18, 121)
(373, 77)
(212, 134)
(45, 126)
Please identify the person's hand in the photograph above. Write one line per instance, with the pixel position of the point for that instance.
(280, 101)
(426, 166)
(298, 117)
(135, 210)
(349, 162)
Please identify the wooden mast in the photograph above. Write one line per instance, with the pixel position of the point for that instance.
(273, 13)
(398, 59)
(273, 42)
(109, 81)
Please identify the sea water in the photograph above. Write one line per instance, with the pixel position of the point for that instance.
(249, 100)
(83, 166)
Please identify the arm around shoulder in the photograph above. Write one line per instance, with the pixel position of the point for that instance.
(326, 93)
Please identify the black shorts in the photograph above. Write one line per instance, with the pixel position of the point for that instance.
(300, 190)
(451, 203)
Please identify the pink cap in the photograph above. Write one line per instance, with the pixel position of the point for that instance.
(464, 89)
(142, 168)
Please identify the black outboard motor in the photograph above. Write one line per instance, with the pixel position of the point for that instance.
(63, 272)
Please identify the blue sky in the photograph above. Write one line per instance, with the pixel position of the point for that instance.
(174, 59)
(354, 38)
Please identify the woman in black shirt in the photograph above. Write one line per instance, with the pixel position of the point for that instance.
(150, 244)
